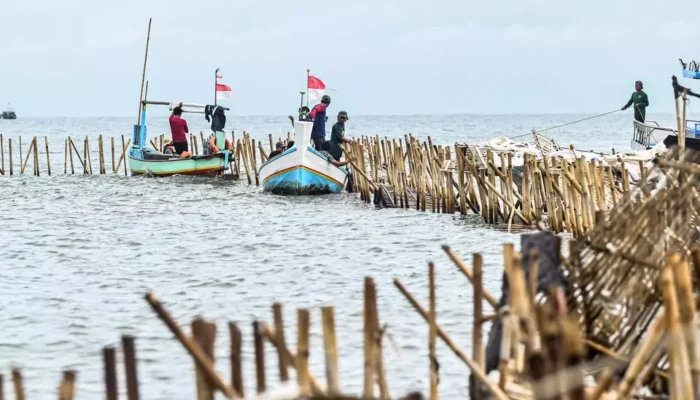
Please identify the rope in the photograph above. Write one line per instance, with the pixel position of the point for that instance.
(568, 123)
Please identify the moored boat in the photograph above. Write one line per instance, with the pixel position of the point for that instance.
(301, 170)
(145, 160)
(9, 113)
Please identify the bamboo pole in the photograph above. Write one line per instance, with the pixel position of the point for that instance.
(123, 157)
(101, 154)
(109, 358)
(259, 358)
(21, 171)
(18, 384)
(2, 157)
(291, 358)
(204, 334)
(113, 166)
(36, 157)
(67, 389)
(331, 351)
(23, 165)
(494, 389)
(370, 330)
(9, 146)
(235, 355)
(132, 383)
(432, 334)
(195, 351)
(48, 157)
(279, 330)
(302, 359)
(478, 351)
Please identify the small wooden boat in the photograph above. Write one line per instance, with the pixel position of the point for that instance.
(9, 113)
(146, 160)
(301, 170)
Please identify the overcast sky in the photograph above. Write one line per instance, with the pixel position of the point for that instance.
(84, 58)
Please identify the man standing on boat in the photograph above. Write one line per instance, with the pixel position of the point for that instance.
(318, 115)
(338, 136)
(640, 101)
(179, 130)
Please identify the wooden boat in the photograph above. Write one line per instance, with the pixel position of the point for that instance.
(9, 113)
(301, 170)
(145, 160)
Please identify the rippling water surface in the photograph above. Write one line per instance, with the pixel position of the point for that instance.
(79, 252)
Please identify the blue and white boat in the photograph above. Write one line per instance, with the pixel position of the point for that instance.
(301, 170)
(690, 70)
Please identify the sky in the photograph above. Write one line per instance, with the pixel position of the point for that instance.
(85, 58)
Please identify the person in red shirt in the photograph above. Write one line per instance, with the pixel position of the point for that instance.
(179, 130)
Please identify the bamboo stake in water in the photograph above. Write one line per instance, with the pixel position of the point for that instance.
(17, 384)
(110, 365)
(36, 157)
(21, 169)
(331, 351)
(302, 359)
(101, 154)
(113, 166)
(259, 357)
(9, 146)
(204, 334)
(236, 368)
(194, 350)
(369, 342)
(124, 147)
(279, 330)
(67, 389)
(432, 334)
(48, 158)
(2, 154)
(132, 383)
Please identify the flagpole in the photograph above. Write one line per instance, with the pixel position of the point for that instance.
(216, 80)
(308, 71)
(143, 74)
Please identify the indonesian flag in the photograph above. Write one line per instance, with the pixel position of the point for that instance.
(223, 91)
(316, 88)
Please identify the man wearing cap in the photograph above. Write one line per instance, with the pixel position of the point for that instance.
(338, 136)
(279, 149)
(640, 101)
(318, 115)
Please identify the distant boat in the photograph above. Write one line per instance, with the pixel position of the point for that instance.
(690, 70)
(9, 113)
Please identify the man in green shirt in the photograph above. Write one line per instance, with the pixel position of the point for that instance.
(640, 101)
(338, 136)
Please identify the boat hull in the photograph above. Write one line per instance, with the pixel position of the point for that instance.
(302, 170)
(211, 165)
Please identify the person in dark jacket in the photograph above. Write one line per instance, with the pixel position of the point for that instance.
(338, 136)
(318, 115)
(218, 118)
(640, 101)
(279, 149)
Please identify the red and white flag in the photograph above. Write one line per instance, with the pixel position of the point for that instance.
(315, 88)
(223, 91)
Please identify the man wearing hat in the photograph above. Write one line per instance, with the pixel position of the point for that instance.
(640, 101)
(338, 136)
(279, 149)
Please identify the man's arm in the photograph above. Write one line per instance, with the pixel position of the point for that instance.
(212, 144)
(339, 163)
(187, 128)
(629, 103)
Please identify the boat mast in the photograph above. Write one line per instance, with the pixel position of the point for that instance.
(216, 81)
(143, 74)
